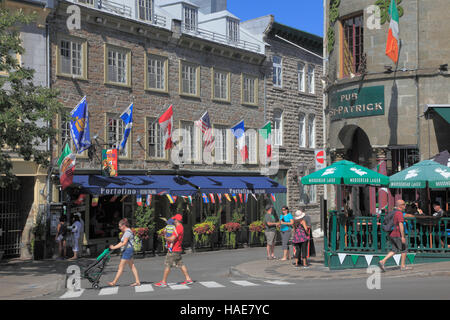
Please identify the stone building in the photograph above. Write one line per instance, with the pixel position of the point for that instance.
(376, 109)
(294, 105)
(19, 208)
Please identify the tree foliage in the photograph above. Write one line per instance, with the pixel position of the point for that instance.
(26, 110)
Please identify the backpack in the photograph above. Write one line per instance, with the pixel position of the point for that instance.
(388, 223)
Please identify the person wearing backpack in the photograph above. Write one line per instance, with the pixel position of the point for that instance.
(394, 220)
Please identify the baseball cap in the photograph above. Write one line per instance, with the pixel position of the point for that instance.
(178, 217)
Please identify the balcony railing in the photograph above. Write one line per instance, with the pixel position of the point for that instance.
(220, 38)
(115, 7)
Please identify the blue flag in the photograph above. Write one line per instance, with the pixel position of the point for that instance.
(127, 118)
(79, 126)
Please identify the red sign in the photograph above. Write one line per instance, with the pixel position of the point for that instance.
(320, 159)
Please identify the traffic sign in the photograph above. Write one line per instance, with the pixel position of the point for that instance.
(320, 159)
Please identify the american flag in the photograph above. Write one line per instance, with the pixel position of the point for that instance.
(205, 125)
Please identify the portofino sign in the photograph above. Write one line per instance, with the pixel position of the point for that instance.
(357, 103)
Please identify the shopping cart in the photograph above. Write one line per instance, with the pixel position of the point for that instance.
(95, 270)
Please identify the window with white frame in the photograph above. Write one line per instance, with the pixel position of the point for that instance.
(301, 130)
(146, 10)
(249, 89)
(278, 127)
(89, 2)
(155, 140)
(251, 142)
(156, 72)
(190, 135)
(233, 30)
(71, 57)
(114, 133)
(220, 144)
(221, 81)
(65, 132)
(277, 71)
(308, 192)
(189, 79)
(301, 76)
(312, 131)
(190, 18)
(117, 65)
(311, 79)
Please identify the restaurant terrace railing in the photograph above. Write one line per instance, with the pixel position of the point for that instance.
(425, 235)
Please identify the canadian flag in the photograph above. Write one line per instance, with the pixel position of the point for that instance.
(166, 124)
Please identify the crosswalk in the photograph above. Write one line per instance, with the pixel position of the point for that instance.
(146, 288)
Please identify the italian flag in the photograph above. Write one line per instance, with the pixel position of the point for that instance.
(266, 133)
(66, 165)
(166, 124)
(392, 45)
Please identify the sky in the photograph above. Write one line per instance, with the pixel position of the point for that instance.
(305, 15)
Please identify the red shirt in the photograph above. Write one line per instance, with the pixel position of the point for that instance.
(398, 218)
(179, 240)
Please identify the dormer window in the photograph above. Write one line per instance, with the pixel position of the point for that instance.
(146, 10)
(190, 18)
(233, 30)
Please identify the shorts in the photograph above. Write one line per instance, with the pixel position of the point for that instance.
(270, 237)
(397, 245)
(285, 237)
(173, 259)
(127, 254)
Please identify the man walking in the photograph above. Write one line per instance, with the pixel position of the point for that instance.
(397, 237)
(173, 259)
(270, 232)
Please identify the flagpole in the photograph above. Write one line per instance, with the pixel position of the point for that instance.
(161, 114)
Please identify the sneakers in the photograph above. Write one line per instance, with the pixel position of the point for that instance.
(187, 282)
(161, 284)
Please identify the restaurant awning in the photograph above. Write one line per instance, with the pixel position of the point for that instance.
(134, 185)
(442, 109)
(236, 184)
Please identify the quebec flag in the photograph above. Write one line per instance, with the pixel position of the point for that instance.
(127, 118)
(79, 126)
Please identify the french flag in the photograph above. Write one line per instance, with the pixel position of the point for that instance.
(239, 132)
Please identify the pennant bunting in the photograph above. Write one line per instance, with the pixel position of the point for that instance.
(220, 197)
(205, 198)
(170, 198)
(149, 200)
(254, 196)
(139, 200)
(397, 258)
(190, 199)
(368, 258)
(354, 258)
(227, 196)
(272, 196)
(211, 196)
(341, 257)
(411, 257)
(234, 197)
(240, 197)
(94, 200)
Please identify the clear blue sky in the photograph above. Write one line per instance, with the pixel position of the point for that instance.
(305, 15)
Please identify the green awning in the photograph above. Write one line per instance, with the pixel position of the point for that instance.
(441, 109)
(444, 113)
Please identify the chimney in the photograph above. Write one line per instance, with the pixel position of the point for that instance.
(210, 6)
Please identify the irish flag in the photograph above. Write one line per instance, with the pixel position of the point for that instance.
(66, 165)
(166, 124)
(266, 133)
(392, 45)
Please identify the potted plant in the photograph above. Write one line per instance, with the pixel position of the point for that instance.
(203, 233)
(145, 220)
(230, 231)
(256, 229)
(161, 247)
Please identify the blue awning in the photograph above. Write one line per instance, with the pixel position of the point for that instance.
(230, 184)
(134, 185)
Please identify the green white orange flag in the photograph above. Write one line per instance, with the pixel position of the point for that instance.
(392, 45)
(266, 133)
(66, 165)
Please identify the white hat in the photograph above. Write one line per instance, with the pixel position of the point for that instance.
(77, 214)
(299, 215)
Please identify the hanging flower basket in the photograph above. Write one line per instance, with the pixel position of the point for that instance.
(230, 231)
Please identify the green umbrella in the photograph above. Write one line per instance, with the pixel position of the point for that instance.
(345, 172)
(417, 176)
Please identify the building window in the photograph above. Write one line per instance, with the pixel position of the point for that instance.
(403, 158)
(301, 130)
(220, 144)
(221, 85)
(71, 58)
(277, 72)
(155, 140)
(146, 10)
(65, 133)
(311, 79)
(308, 193)
(301, 76)
(156, 73)
(190, 18)
(233, 30)
(249, 90)
(118, 66)
(114, 132)
(352, 48)
(190, 135)
(278, 128)
(312, 131)
(251, 140)
(88, 2)
(189, 79)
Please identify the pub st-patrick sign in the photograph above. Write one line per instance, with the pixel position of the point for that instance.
(357, 103)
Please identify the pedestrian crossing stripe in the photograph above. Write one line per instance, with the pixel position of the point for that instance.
(72, 294)
(245, 283)
(108, 291)
(144, 288)
(211, 284)
(281, 283)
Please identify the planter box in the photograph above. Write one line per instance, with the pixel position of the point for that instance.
(160, 249)
(256, 241)
(210, 244)
(224, 240)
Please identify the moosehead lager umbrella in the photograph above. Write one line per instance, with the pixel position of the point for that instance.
(417, 176)
(345, 172)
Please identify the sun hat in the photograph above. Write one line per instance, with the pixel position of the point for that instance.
(299, 215)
